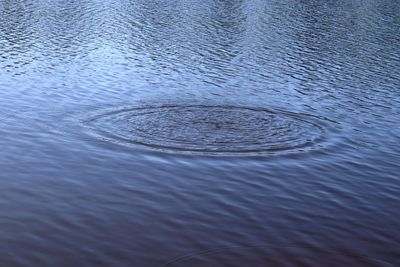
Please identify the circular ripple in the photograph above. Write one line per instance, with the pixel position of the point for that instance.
(263, 256)
(208, 129)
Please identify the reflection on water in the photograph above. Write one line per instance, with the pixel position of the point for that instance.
(323, 77)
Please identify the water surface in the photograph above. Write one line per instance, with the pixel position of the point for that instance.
(199, 133)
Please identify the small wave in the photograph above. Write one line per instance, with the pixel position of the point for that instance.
(263, 255)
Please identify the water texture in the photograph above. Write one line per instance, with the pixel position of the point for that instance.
(199, 133)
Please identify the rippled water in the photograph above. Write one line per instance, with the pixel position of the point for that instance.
(219, 130)
(199, 133)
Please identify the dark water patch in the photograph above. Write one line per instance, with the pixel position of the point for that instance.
(211, 130)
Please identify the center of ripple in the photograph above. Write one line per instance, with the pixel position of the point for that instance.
(207, 129)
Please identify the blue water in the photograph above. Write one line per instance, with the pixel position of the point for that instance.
(199, 133)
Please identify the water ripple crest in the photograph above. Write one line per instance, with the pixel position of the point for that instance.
(211, 130)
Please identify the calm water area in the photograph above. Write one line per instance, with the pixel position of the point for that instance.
(222, 133)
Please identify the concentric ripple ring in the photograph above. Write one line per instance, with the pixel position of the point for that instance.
(207, 129)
